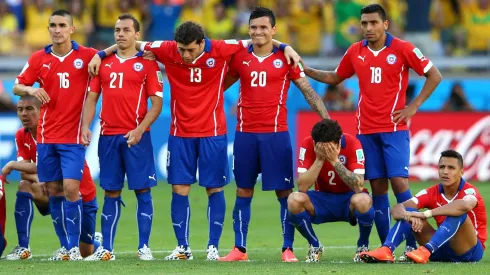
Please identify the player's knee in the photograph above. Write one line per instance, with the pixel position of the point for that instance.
(283, 193)
(361, 202)
(399, 185)
(181, 189)
(55, 189)
(25, 186)
(211, 191)
(71, 189)
(245, 192)
(140, 191)
(113, 193)
(296, 199)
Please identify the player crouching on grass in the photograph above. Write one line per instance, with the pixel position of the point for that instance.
(460, 214)
(334, 163)
(32, 191)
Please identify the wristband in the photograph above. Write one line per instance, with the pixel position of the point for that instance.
(282, 47)
(428, 214)
(101, 54)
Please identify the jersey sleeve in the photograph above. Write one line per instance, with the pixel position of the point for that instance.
(228, 48)
(306, 156)
(154, 83)
(296, 73)
(471, 192)
(355, 158)
(345, 68)
(422, 198)
(29, 74)
(95, 84)
(162, 49)
(416, 59)
(22, 154)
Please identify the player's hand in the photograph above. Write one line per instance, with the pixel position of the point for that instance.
(320, 151)
(332, 151)
(86, 136)
(404, 114)
(94, 65)
(40, 94)
(417, 224)
(148, 55)
(291, 56)
(399, 213)
(7, 169)
(134, 136)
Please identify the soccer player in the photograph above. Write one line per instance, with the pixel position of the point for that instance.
(381, 63)
(262, 143)
(196, 69)
(126, 81)
(459, 211)
(32, 191)
(61, 71)
(334, 162)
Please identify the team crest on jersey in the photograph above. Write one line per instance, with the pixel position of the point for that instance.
(78, 63)
(138, 67)
(342, 159)
(391, 59)
(210, 62)
(278, 63)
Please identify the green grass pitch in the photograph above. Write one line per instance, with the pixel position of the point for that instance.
(264, 242)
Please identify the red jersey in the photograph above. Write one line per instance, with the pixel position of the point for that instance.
(264, 85)
(26, 151)
(197, 88)
(351, 156)
(433, 197)
(65, 79)
(125, 84)
(383, 81)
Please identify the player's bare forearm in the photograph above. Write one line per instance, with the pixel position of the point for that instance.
(312, 97)
(307, 179)
(89, 109)
(399, 211)
(152, 114)
(329, 77)
(22, 90)
(455, 208)
(230, 80)
(110, 50)
(29, 177)
(354, 181)
(24, 166)
(434, 77)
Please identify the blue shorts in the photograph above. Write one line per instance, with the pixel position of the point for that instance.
(331, 207)
(88, 221)
(446, 254)
(209, 153)
(268, 153)
(117, 160)
(387, 155)
(56, 162)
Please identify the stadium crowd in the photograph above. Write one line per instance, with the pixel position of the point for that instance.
(438, 27)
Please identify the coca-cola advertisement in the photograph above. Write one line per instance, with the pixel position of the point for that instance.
(430, 134)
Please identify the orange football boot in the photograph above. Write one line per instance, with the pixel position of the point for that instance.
(234, 255)
(288, 256)
(379, 255)
(420, 255)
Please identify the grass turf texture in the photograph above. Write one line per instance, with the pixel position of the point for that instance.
(264, 242)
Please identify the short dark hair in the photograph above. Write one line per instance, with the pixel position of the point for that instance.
(326, 130)
(452, 154)
(126, 16)
(262, 12)
(62, 12)
(189, 32)
(374, 8)
(30, 97)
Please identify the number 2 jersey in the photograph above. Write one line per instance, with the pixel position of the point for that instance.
(26, 151)
(351, 156)
(65, 79)
(433, 197)
(383, 80)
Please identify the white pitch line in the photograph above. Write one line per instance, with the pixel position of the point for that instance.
(203, 250)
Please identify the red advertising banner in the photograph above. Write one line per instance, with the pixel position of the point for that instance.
(430, 134)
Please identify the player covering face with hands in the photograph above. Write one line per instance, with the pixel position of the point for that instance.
(333, 162)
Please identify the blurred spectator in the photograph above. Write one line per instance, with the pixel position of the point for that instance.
(37, 14)
(444, 17)
(242, 14)
(328, 28)
(221, 26)
(457, 100)
(347, 24)
(163, 17)
(8, 29)
(6, 103)
(107, 12)
(338, 98)
(307, 26)
(476, 21)
(82, 21)
(193, 11)
(283, 27)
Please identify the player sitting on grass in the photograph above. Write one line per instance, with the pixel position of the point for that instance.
(334, 163)
(460, 214)
(31, 190)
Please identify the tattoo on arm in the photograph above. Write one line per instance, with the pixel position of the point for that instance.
(352, 180)
(312, 97)
(329, 77)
